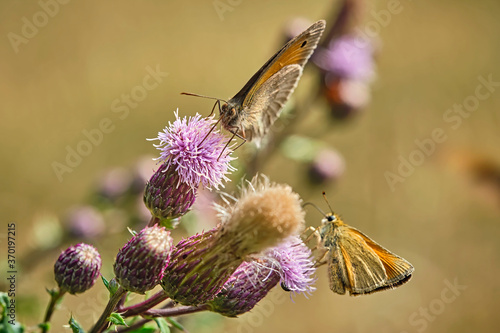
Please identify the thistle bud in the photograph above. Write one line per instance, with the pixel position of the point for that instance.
(140, 264)
(166, 196)
(289, 263)
(263, 216)
(245, 288)
(193, 154)
(77, 268)
(198, 268)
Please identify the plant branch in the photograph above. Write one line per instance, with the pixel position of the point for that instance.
(103, 323)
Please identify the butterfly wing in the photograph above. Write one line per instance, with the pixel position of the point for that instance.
(355, 264)
(398, 270)
(296, 51)
(260, 114)
(361, 266)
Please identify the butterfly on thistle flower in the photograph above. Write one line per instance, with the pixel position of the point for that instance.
(356, 263)
(252, 111)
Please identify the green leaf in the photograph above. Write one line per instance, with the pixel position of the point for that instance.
(145, 330)
(117, 319)
(75, 327)
(4, 300)
(106, 282)
(111, 285)
(132, 232)
(44, 326)
(175, 323)
(6, 321)
(169, 223)
(51, 292)
(162, 325)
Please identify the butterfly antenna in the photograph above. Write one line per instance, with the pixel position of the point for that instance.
(311, 204)
(202, 96)
(324, 197)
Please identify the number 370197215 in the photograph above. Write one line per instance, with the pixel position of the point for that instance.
(11, 243)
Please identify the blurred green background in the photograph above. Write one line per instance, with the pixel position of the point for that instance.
(65, 78)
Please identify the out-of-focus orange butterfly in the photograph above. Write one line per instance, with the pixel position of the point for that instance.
(252, 111)
(356, 263)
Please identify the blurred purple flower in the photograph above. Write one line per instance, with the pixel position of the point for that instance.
(114, 183)
(327, 165)
(195, 153)
(85, 222)
(348, 57)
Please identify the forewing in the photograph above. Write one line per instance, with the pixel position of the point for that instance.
(365, 271)
(296, 52)
(398, 270)
(270, 98)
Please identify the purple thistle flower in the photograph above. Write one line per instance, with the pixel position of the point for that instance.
(77, 268)
(289, 263)
(264, 215)
(295, 265)
(194, 152)
(140, 264)
(349, 57)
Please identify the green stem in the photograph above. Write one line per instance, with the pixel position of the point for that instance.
(54, 298)
(144, 306)
(165, 311)
(181, 310)
(102, 323)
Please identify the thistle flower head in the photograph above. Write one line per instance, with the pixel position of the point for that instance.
(140, 264)
(295, 265)
(265, 214)
(289, 263)
(194, 152)
(77, 268)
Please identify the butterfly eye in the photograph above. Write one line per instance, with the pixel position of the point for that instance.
(331, 218)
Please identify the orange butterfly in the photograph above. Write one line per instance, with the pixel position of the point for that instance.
(356, 263)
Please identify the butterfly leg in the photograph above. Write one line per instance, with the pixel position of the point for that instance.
(323, 259)
(235, 133)
(216, 103)
(213, 127)
(314, 233)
